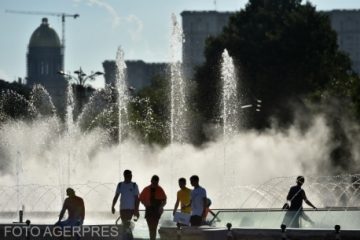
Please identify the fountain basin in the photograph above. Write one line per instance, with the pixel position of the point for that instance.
(265, 224)
(256, 234)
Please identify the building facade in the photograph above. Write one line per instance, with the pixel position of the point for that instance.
(45, 58)
(346, 23)
(109, 72)
(197, 27)
(139, 74)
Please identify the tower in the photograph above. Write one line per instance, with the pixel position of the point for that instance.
(44, 60)
(197, 27)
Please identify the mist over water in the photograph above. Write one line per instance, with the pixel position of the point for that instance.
(254, 157)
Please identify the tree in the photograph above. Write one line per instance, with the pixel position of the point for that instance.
(152, 112)
(14, 102)
(16, 87)
(285, 50)
(81, 95)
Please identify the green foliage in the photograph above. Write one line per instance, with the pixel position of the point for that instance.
(150, 113)
(14, 102)
(355, 94)
(146, 116)
(16, 87)
(284, 50)
(81, 95)
(100, 111)
(15, 106)
(41, 101)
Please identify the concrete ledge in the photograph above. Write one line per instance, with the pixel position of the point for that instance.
(208, 233)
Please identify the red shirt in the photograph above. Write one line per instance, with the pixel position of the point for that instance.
(145, 195)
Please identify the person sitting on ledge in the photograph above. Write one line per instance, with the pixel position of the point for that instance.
(183, 197)
(76, 210)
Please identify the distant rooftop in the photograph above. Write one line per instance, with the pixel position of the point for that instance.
(205, 12)
(44, 36)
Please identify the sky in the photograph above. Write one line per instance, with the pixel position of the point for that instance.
(141, 27)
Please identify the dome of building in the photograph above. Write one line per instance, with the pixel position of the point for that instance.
(44, 36)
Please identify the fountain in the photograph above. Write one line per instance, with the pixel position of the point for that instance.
(70, 105)
(178, 88)
(41, 101)
(123, 101)
(230, 105)
(122, 91)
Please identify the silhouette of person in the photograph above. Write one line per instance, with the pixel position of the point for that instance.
(153, 198)
(129, 200)
(296, 196)
(183, 197)
(75, 207)
(198, 202)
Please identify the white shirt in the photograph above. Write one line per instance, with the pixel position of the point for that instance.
(197, 201)
(127, 192)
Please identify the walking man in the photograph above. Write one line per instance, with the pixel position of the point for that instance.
(198, 202)
(154, 199)
(129, 200)
(296, 196)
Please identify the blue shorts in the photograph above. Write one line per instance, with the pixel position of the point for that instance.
(70, 223)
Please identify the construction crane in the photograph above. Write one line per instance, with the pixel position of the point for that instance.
(62, 15)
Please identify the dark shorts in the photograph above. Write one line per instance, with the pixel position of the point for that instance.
(126, 214)
(69, 223)
(152, 212)
(195, 220)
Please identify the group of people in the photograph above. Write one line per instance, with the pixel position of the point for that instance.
(154, 199)
(193, 202)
